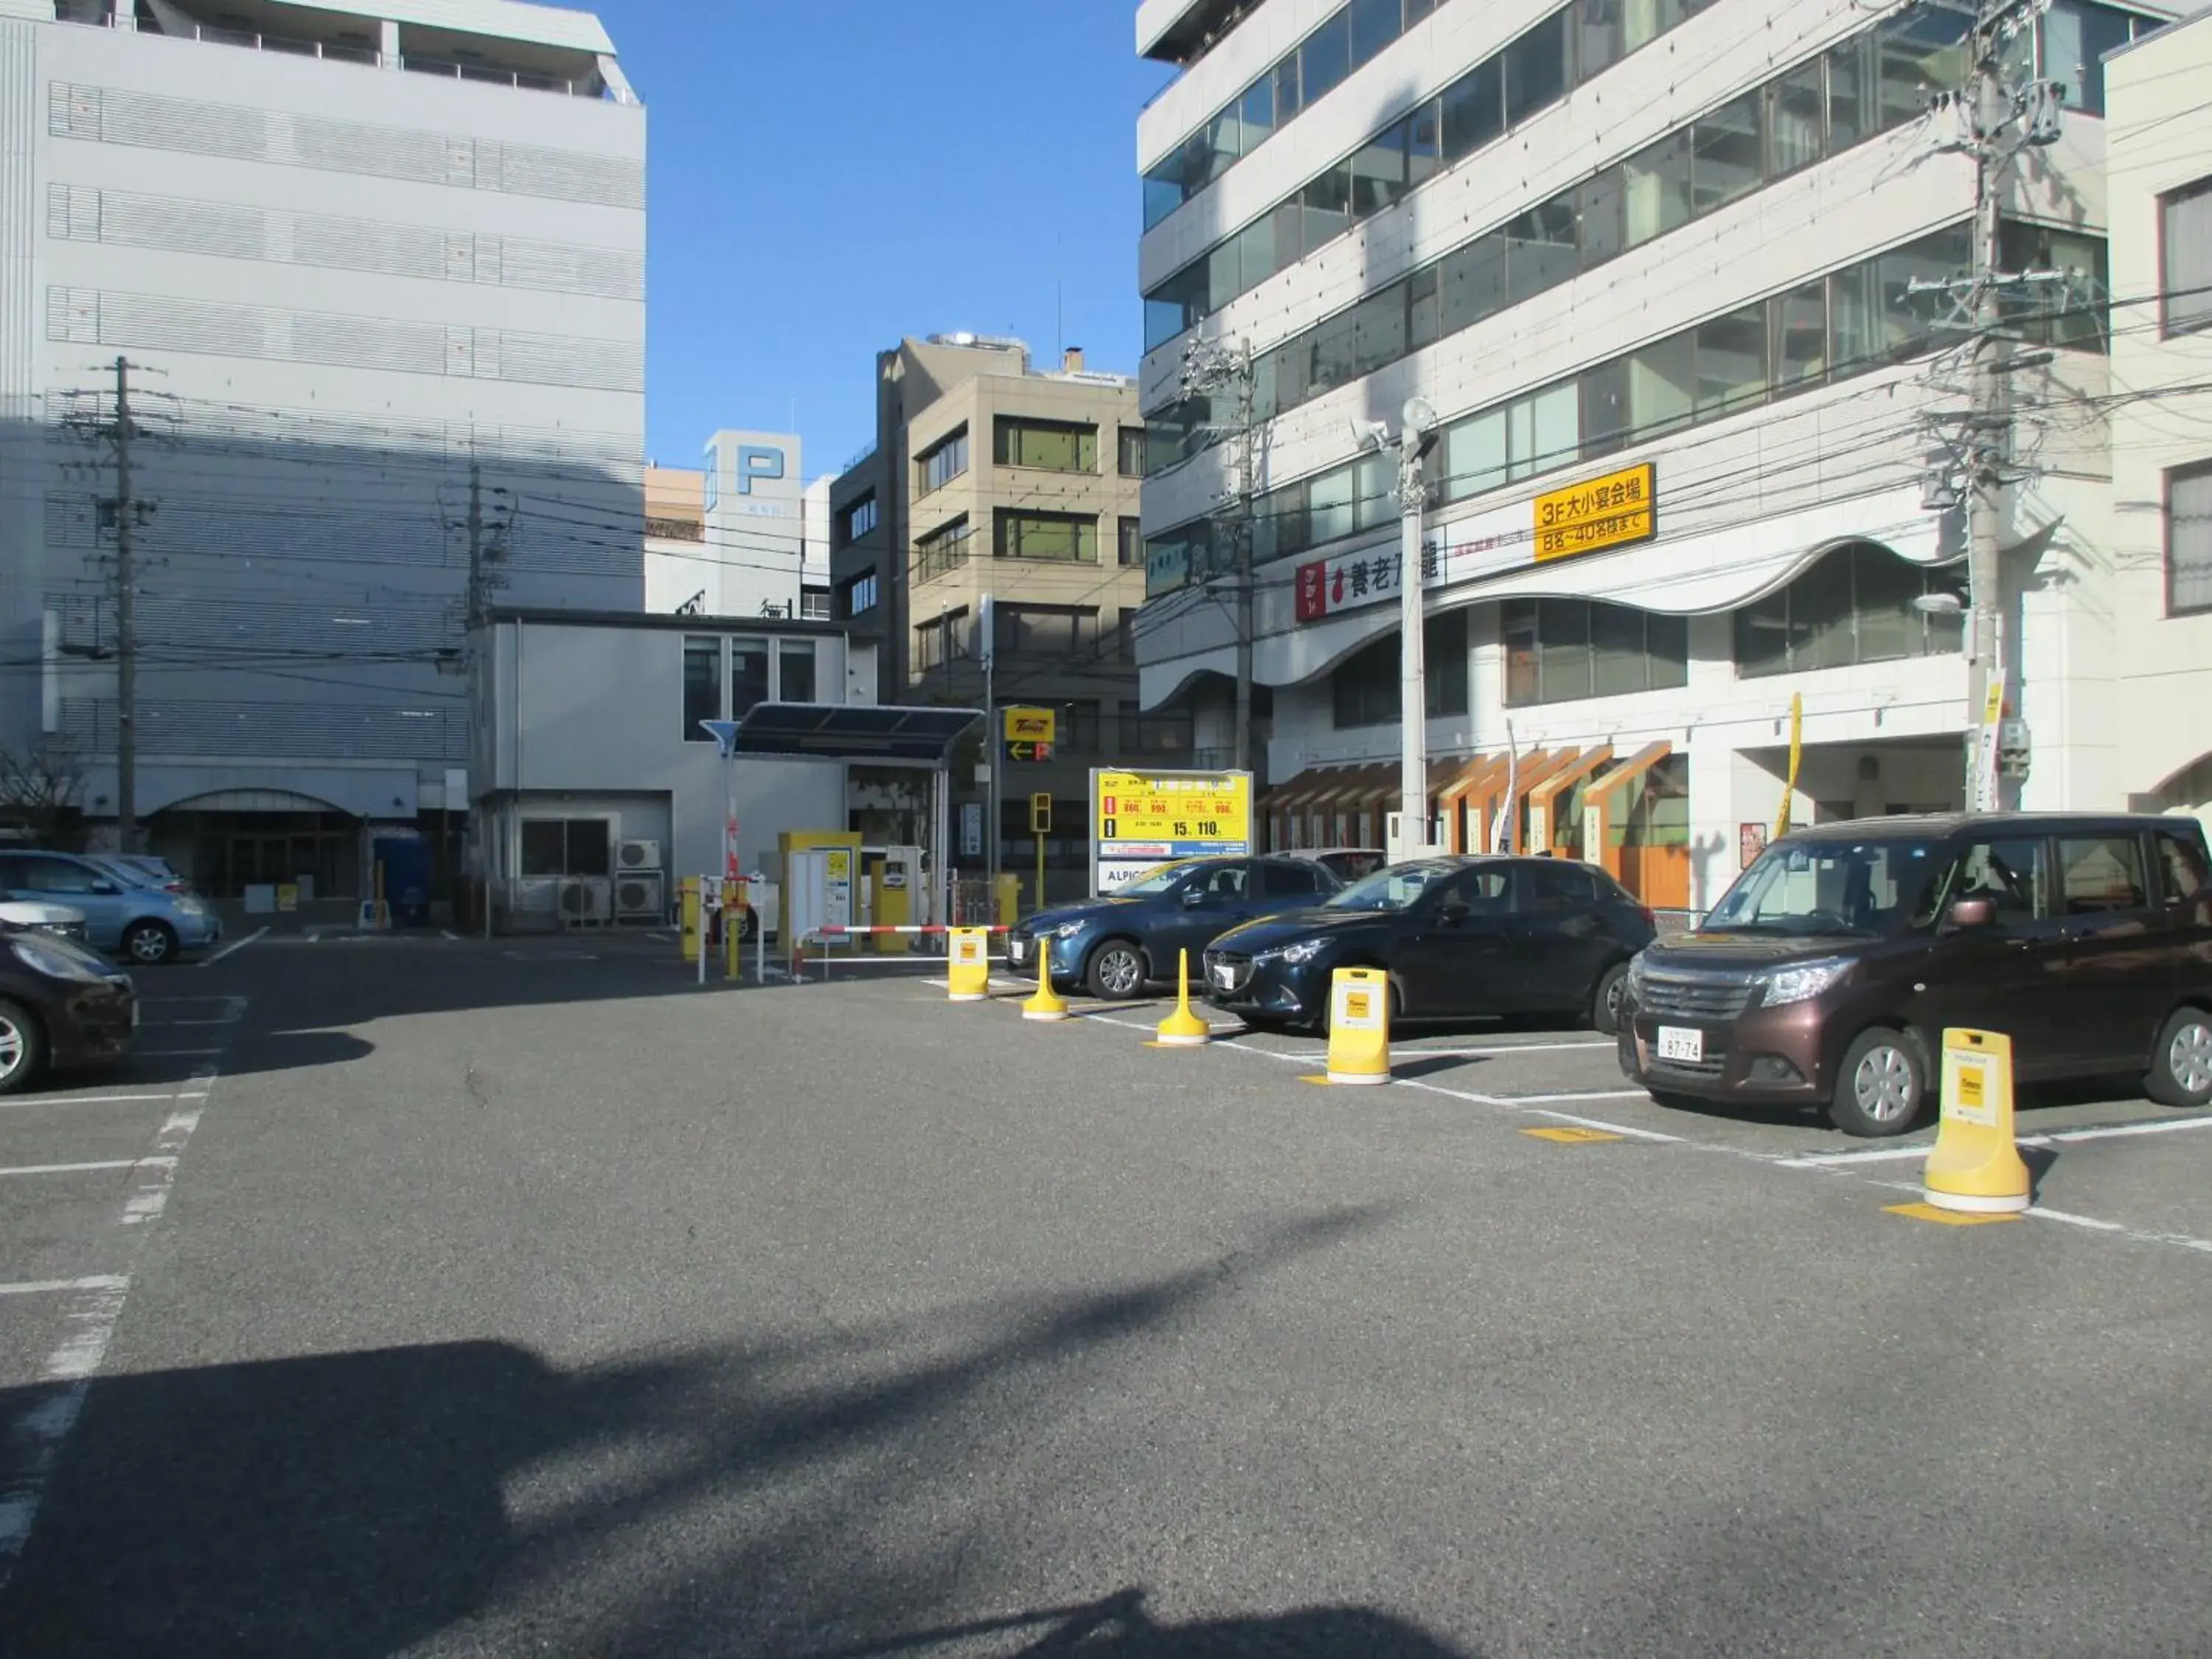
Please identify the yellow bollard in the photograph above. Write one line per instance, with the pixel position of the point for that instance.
(692, 932)
(1975, 1165)
(733, 929)
(1184, 1028)
(1359, 1026)
(968, 965)
(1047, 1003)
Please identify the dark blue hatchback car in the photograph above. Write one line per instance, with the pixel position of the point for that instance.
(1114, 946)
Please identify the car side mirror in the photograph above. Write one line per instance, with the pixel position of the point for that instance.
(1193, 897)
(1453, 913)
(1970, 913)
(100, 887)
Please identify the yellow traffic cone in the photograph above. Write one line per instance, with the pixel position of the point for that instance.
(1045, 1004)
(1975, 1165)
(1184, 1028)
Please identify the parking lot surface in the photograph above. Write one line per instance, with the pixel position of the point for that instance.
(489, 1299)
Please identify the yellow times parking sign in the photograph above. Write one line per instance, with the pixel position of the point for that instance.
(1142, 820)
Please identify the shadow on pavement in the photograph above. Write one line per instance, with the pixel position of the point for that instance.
(1118, 1627)
(718, 1501)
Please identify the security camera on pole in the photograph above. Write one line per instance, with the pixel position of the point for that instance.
(1417, 435)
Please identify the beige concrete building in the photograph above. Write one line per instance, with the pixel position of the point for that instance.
(2159, 185)
(678, 571)
(991, 480)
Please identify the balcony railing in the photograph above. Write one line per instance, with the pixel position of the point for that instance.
(340, 51)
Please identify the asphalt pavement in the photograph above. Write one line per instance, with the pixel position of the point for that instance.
(449, 1298)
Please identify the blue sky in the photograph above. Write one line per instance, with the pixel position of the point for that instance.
(829, 175)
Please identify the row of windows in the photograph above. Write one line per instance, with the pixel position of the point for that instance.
(1024, 534)
(1854, 606)
(1878, 79)
(1531, 74)
(859, 595)
(1060, 633)
(755, 669)
(1847, 323)
(940, 465)
(1344, 41)
(857, 519)
(1016, 440)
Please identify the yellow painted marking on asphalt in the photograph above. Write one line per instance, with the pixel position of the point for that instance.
(1948, 1217)
(1572, 1137)
(1321, 1078)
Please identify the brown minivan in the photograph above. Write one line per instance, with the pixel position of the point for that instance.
(1826, 974)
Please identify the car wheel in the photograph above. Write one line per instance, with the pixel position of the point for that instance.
(2181, 1065)
(1882, 1087)
(1604, 1003)
(21, 1048)
(149, 944)
(748, 928)
(1116, 971)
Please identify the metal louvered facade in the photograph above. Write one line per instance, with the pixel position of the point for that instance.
(349, 297)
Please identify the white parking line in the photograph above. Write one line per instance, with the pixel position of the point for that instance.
(1579, 1094)
(213, 957)
(2052, 1138)
(80, 1169)
(23, 1103)
(1415, 1050)
(55, 1286)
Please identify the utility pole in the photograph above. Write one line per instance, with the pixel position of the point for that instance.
(126, 621)
(1208, 366)
(1992, 121)
(1417, 435)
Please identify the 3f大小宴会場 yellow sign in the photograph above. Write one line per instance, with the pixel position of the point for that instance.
(1589, 517)
(1139, 820)
(1031, 725)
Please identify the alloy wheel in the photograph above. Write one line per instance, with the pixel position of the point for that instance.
(12, 1048)
(2189, 1057)
(1882, 1085)
(1120, 972)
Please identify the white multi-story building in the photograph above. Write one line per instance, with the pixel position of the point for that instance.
(376, 268)
(1654, 263)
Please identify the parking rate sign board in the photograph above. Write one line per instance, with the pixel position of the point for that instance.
(1140, 819)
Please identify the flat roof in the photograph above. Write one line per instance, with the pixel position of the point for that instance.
(665, 622)
(504, 20)
(882, 733)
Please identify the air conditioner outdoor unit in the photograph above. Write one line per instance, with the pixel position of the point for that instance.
(639, 894)
(639, 855)
(586, 898)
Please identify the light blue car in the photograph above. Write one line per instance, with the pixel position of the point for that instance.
(147, 924)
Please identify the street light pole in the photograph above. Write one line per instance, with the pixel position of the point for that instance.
(1417, 435)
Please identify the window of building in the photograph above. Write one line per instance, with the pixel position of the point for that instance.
(2075, 36)
(814, 604)
(1854, 321)
(1017, 534)
(1564, 650)
(1044, 630)
(566, 847)
(2068, 311)
(1129, 458)
(943, 461)
(1855, 605)
(1079, 726)
(2188, 540)
(858, 519)
(944, 548)
(749, 680)
(702, 685)
(1167, 732)
(860, 594)
(941, 641)
(1130, 544)
(2185, 274)
(794, 668)
(1367, 690)
(1049, 445)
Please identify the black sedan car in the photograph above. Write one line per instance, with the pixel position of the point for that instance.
(1114, 946)
(60, 1006)
(1458, 935)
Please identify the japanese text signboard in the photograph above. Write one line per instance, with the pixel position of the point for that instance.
(1590, 517)
(1141, 819)
(1597, 513)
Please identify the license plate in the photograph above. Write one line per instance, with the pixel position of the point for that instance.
(1225, 976)
(1682, 1042)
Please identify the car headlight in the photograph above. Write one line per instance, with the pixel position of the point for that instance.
(1805, 979)
(1067, 929)
(55, 964)
(1304, 951)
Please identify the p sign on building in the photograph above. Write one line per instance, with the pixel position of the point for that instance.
(755, 502)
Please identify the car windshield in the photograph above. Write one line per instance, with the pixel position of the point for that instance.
(1393, 889)
(1863, 887)
(1158, 879)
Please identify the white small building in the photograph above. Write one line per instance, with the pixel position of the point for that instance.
(589, 761)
